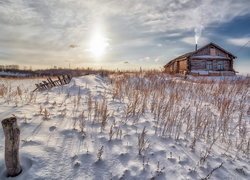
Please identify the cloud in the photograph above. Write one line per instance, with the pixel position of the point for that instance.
(44, 29)
(145, 59)
(163, 16)
(158, 59)
(175, 34)
(159, 45)
(245, 41)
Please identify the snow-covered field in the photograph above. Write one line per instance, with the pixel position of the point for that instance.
(130, 127)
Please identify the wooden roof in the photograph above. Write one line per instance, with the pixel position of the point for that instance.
(179, 57)
(218, 47)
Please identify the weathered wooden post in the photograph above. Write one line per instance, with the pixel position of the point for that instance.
(12, 139)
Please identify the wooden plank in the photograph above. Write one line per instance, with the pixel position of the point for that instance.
(47, 84)
(37, 87)
(64, 79)
(57, 82)
(41, 86)
(69, 77)
(60, 80)
(51, 81)
(44, 86)
(12, 141)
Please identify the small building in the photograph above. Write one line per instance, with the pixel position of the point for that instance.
(210, 60)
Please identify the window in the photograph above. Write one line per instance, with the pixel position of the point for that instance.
(220, 65)
(209, 65)
(215, 65)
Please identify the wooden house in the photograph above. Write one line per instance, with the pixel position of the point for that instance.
(211, 60)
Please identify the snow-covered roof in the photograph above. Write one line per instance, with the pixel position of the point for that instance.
(208, 71)
(210, 57)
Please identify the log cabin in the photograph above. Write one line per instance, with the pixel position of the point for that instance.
(209, 60)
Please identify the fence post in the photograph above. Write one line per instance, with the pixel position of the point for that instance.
(12, 139)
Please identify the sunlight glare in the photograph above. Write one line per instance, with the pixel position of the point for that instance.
(98, 45)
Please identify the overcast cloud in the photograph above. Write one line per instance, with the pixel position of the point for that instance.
(40, 32)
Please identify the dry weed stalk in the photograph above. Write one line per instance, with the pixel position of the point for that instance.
(89, 102)
(143, 143)
(100, 153)
(82, 122)
(46, 114)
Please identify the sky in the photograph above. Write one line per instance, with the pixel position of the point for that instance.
(119, 34)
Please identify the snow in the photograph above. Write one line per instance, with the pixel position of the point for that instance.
(217, 78)
(10, 74)
(210, 57)
(202, 72)
(52, 147)
(206, 71)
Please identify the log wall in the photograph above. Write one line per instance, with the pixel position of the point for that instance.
(210, 50)
(198, 64)
(183, 66)
(201, 64)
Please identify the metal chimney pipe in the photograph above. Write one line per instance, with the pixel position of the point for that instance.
(196, 46)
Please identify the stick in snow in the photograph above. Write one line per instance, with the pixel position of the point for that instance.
(208, 176)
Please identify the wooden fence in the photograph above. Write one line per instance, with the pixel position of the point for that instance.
(61, 80)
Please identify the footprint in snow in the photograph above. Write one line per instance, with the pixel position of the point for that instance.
(52, 128)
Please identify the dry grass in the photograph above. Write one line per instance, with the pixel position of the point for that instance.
(214, 112)
(207, 110)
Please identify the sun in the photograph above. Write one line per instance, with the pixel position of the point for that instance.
(98, 45)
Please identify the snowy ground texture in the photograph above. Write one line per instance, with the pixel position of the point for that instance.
(130, 126)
